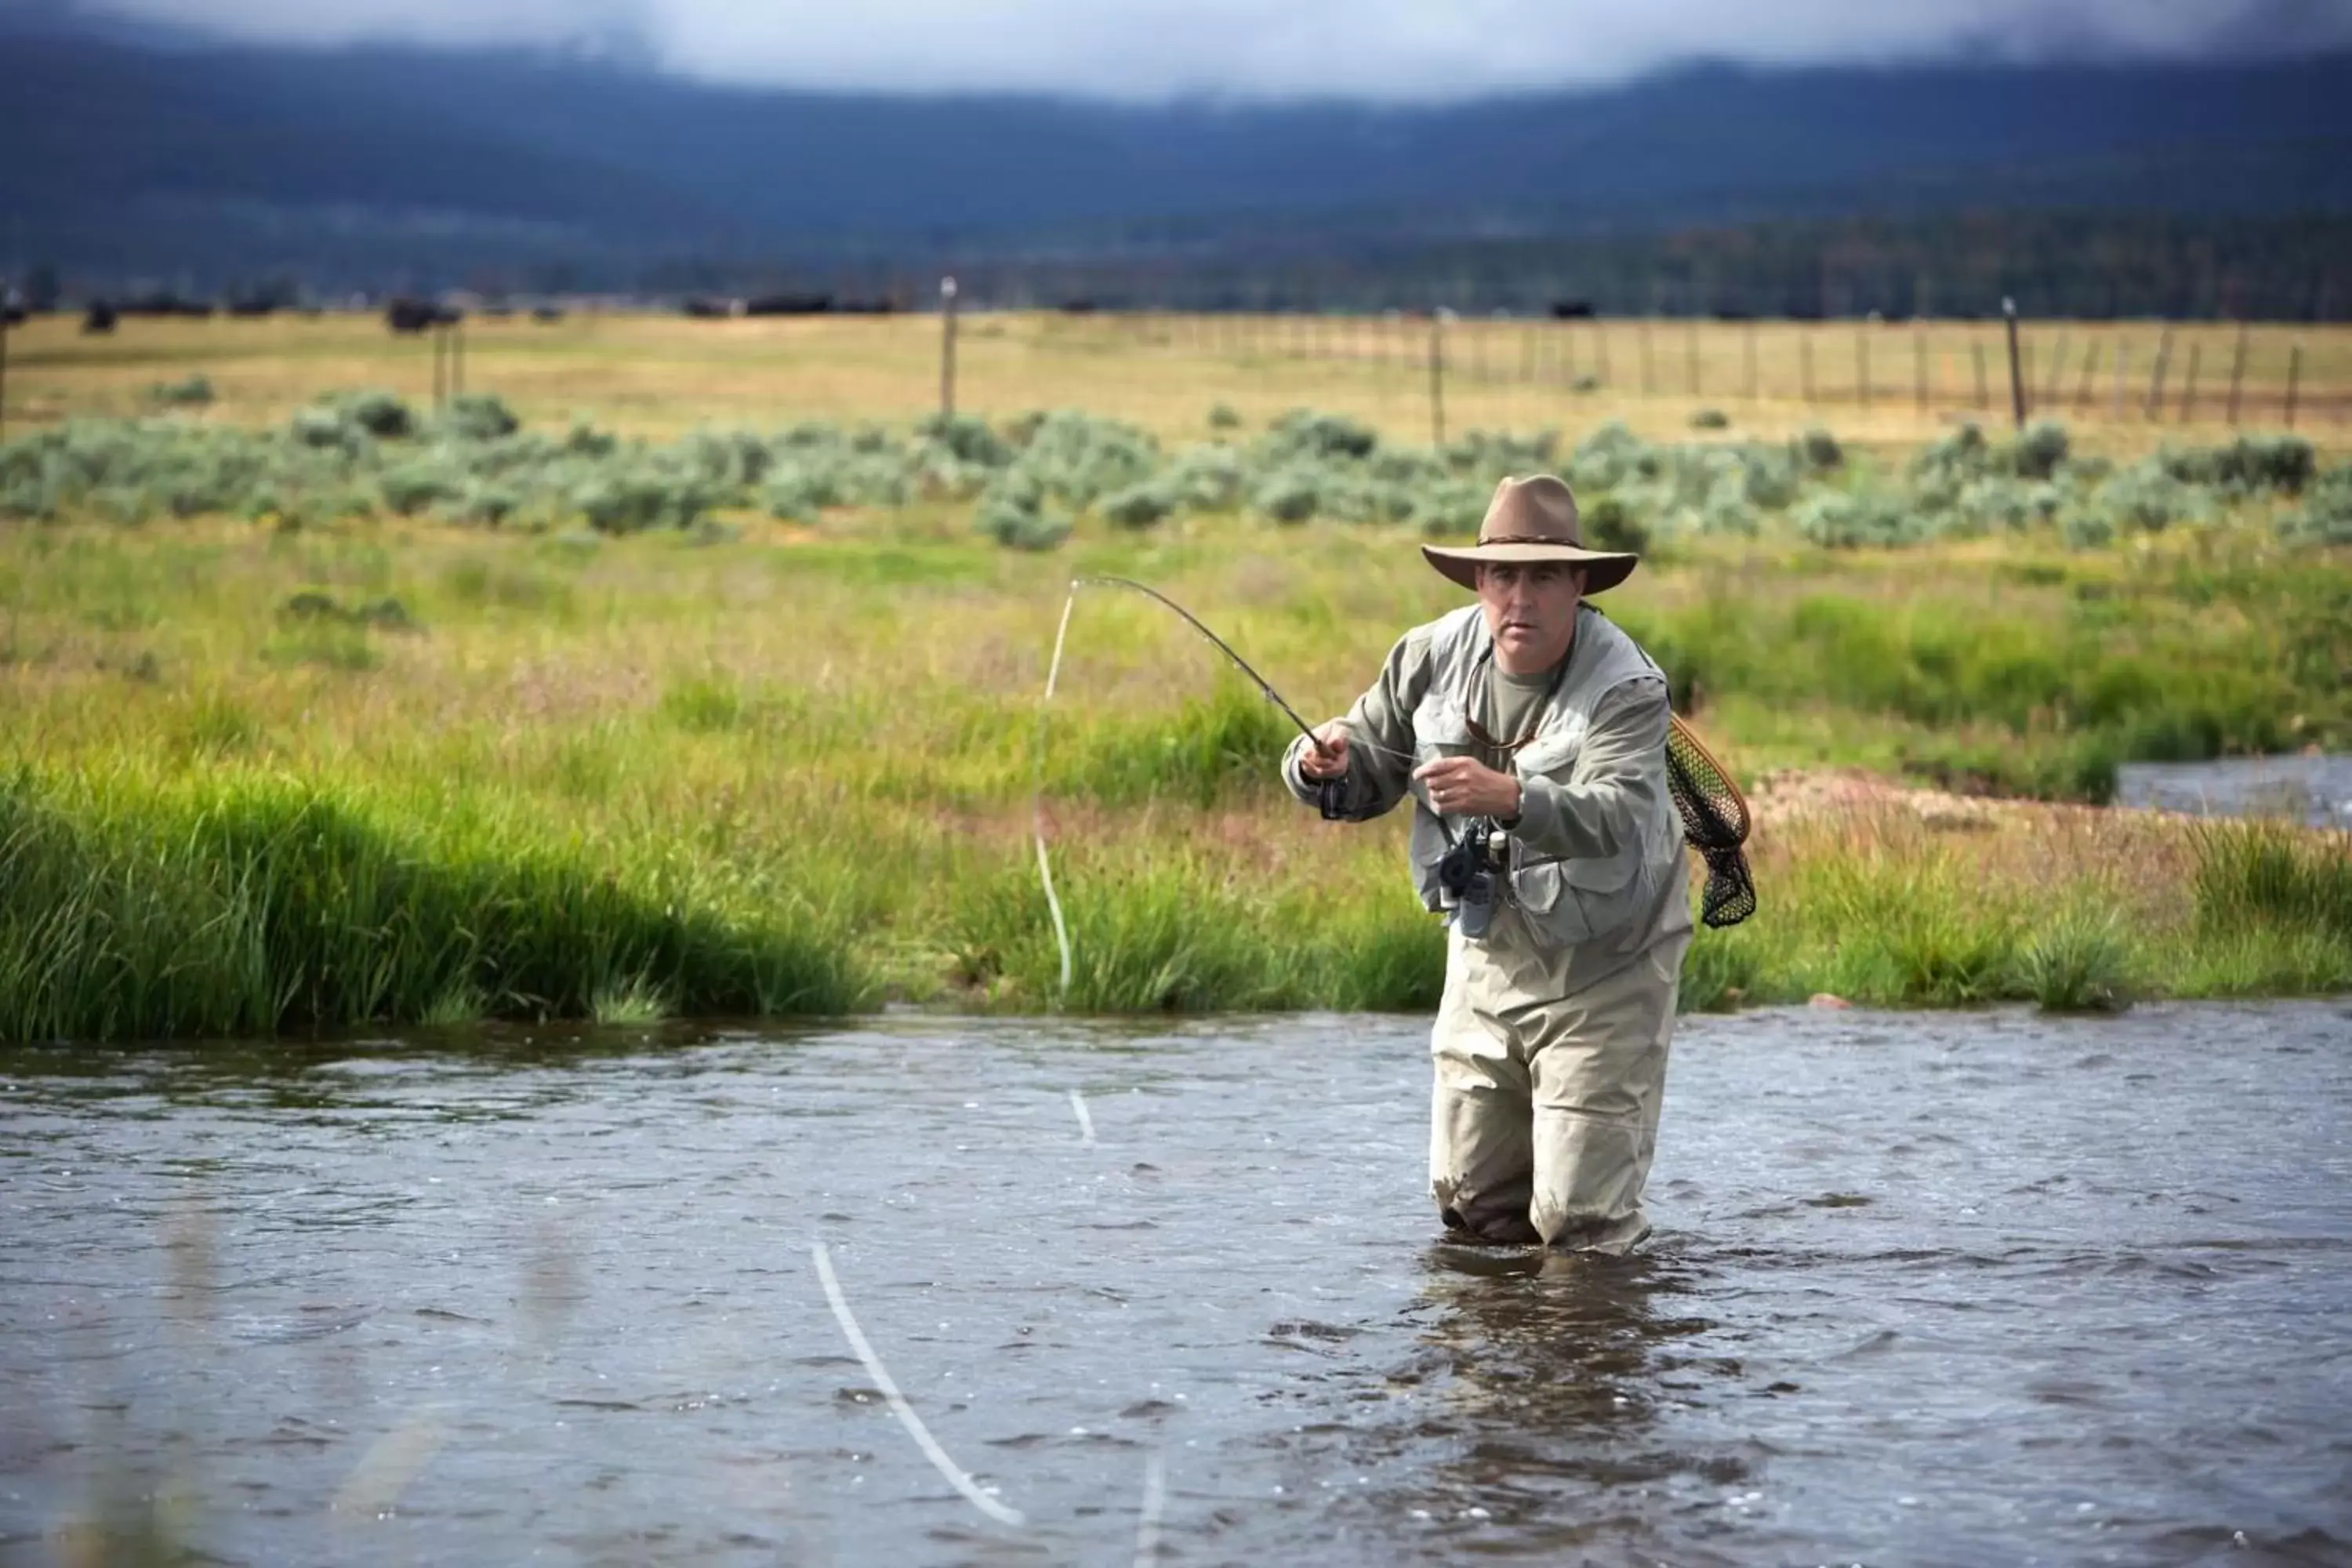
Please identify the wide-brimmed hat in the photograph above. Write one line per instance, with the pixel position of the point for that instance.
(1533, 518)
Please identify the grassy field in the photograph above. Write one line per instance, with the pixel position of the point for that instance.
(258, 777)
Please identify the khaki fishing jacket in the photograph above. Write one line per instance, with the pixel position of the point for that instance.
(1596, 857)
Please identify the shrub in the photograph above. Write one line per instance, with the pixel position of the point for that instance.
(2325, 516)
(1303, 433)
(414, 486)
(479, 416)
(2249, 465)
(1844, 522)
(194, 391)
(1224, 417)
(1206, 478)
(380, 414)
(1289, 496)
(2147, 497)
(2039, 448)
(1609, 525)
(1710, 419)
(1448, 507)
(1139, 506)
(1016, 517)
(968, 439)
(1820, 449)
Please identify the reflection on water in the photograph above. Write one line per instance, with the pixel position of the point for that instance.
(2317, 791)
(1985, 1288)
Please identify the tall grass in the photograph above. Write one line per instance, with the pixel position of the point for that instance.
(249, 904)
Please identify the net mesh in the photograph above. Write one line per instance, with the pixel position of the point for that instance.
(1714, 822)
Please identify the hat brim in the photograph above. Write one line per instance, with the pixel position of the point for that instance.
(1603, 569)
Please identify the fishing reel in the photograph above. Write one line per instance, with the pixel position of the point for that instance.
(1470, 875)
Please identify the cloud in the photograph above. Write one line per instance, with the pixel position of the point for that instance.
(1375, 49)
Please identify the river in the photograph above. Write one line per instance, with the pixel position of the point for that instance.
(1980, 1288)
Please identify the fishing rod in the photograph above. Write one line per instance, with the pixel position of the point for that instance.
(1053, 677)
(1223, 646)
(1195, 623)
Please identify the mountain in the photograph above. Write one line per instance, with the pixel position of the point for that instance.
(173, 158)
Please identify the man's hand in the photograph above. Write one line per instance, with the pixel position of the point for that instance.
(1463, 786)
(1328, 758)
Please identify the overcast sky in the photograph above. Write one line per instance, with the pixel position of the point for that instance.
(1388, 50)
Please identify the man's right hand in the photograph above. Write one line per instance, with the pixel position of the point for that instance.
(1328, 758)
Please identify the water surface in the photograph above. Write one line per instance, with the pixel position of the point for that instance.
(2315, 791)
(1926, 1288)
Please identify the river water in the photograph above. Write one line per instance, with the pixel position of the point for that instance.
(1967, 1288)
(2315, 790)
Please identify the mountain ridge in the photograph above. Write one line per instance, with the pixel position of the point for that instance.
(384, 165)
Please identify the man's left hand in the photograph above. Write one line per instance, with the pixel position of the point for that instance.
(1463, 786)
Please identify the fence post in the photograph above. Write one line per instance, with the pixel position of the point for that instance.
(1600, 351)
(1805, 365)
(2294, 380)
(1919, 367)
(2016, 374)
(458, 358)
(2090, 374)
(1984, 393)
(2155, 408)
(1690, 349)
(1751, 360)
(2237, 373)
(1437, 377)
(947, 348)
(1648, 384)
(1862, 362)
(440, 361)
(2189, 384)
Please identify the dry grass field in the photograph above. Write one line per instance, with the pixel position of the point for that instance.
(1886, 384)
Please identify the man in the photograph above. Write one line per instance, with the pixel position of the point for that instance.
(1529, 727)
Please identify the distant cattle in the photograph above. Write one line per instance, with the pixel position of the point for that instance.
(12, 315)
(405, 315)
(166, 305)
(703, 309)
(856, 307)
(1078, 307)
(547, 313)
(98, 318)
(788, 305)
(250, 308)
(1571, 309)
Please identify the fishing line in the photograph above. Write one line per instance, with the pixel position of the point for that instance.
(1053, 677)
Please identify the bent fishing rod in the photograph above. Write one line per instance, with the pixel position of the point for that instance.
(1052, 676)
(1195, 623)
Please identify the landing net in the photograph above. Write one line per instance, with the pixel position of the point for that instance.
(1714, 822)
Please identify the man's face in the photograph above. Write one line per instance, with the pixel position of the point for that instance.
(1530, 611)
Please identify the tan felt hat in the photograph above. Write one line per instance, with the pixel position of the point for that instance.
(1533, 518)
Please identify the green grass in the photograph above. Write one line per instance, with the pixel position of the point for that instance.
(633, 778)
(244, 903)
